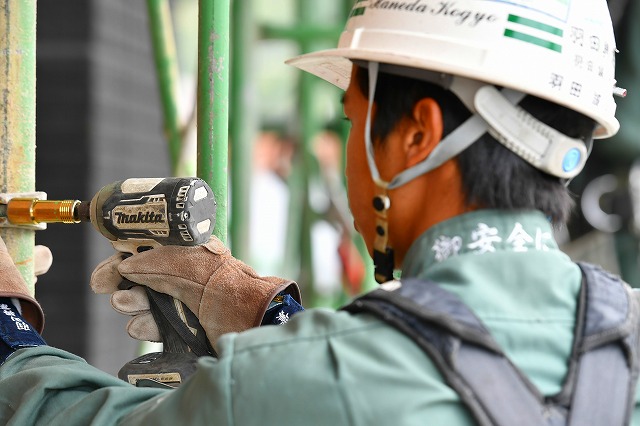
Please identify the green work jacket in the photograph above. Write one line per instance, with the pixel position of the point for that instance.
(334, 368)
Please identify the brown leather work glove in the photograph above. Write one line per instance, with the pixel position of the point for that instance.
(225, 294)
(13, 286)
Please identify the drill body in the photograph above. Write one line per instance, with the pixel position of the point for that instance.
(136, 214)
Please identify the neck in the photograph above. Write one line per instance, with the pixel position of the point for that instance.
(428, 200)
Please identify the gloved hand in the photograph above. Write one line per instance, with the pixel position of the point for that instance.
(13, 286)
(225, 294)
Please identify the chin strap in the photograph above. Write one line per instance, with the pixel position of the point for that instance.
(382, 254)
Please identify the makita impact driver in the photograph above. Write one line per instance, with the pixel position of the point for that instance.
(137, 215)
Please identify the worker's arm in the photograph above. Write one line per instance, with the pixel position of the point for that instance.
(44, 385)
(272, 376)
(48, 386)
(40, 384)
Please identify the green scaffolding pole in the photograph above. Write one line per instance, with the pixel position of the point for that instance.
(301, 216)
(306, 33)
(244, 124)
(213, 101)
(166, 61)
(18, 119)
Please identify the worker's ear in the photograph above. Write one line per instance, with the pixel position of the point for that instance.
(424, 132)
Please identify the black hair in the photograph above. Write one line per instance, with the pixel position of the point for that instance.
(492, 176)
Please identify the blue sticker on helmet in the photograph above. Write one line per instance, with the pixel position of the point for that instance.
(571, 160)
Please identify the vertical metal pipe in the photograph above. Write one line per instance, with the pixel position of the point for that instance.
(244, 124)
(310, 128)
(213, 101)
(300, 215)
(18, 118)
(166, 61)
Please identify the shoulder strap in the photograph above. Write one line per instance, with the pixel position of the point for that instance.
(491, 387)
(605, 360)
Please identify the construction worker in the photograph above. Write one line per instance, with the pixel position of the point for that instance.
(468, 119)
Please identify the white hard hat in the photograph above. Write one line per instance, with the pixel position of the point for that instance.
(559, 50)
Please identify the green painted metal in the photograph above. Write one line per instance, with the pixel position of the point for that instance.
(243, 124)
(166, 61)
(301, 216)
(307, 33)
(213, 101)
(18, 119)
(304, 33)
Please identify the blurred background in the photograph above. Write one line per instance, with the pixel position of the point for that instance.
(100, 119)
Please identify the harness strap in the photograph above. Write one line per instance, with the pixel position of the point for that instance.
(506, 397)
(607, 370)
(602, 388)
(603, 369)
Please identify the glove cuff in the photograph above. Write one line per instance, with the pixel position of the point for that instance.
(234, 301)
(31, 309)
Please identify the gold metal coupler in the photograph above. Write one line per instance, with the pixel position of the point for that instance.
(33, 210)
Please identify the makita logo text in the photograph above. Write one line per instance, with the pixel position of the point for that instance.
(148, 217)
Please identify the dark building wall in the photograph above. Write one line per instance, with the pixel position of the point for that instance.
(63, 76)
(98, 121)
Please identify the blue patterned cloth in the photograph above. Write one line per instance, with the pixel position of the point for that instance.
(15, 332)
(280, 310)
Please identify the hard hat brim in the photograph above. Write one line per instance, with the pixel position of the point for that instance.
(334, 66)
(331, 65)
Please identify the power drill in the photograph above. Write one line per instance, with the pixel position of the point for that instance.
(138, 215)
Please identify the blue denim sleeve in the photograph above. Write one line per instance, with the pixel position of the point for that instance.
(15, 332)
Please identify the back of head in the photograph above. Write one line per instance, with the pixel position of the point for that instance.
(539, 74)
(493, 176)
